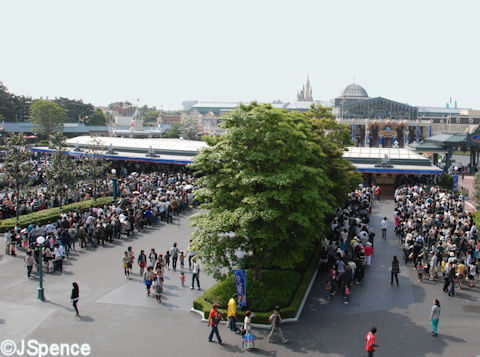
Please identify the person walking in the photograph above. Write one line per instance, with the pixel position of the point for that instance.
(214, 319)
(29, 262)
(248, 342)
(142, 261)
(74, 297)
(394, 270)
(435, 316)
(384, 226)
(370, 345)
(148, 279)
(195, 274)
(126, 262)
(174, 254)
(275, 320)
(232, 314)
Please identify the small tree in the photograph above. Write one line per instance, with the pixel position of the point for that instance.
(190, 125)
(17, 166)
(48, 115)
(93, 167)
(62, 172)
(97, 118)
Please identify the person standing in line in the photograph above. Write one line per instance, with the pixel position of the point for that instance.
(368, 253)
(435, 316)
(214, 319)
(370, 345)
(29, 262)
(74, 297)
(232, 314)
(275, 320)
(196, 274)
(384, 226)
(174, 253)
(377, 193)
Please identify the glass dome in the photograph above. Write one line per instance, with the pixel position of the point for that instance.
(354, 90)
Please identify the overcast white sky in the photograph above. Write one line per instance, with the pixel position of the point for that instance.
(163, 52)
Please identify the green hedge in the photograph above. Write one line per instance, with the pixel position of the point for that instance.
(276, 287)
(51, 214)
(476, 218)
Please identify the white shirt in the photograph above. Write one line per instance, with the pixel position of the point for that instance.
(196, 268)
(384, 224)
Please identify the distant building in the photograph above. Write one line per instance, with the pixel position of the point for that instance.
(305, 94)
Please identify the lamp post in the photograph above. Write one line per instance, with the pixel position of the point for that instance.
(240, 254)
(41, 293)
(114, 184)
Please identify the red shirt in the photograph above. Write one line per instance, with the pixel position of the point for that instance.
(370, 341)
(212, 314)
(368, 250)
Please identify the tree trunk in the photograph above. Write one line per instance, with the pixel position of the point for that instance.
(257, 273)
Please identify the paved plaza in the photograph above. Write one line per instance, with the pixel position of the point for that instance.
(118, 319)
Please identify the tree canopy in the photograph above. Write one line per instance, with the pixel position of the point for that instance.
(48, 115)
(266, 179)
(17, 166)
(97, 118)
(190, 125)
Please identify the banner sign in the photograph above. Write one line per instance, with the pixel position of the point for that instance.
(240, 280)
(455, 183)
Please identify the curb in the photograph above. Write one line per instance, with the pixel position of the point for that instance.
(292, 319)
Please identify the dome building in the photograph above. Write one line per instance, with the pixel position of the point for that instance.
(352, 93)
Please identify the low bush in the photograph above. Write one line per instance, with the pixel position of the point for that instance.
(276, 287)
(476, 218)
(51, 214)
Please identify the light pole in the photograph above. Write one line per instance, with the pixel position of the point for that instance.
(114, 184)
(41, 293)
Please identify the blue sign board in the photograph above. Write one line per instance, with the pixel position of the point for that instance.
(455, 183)
(240, 280)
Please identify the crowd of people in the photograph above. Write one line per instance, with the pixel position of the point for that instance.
(439, 237)
(350, 243)
(145, 199)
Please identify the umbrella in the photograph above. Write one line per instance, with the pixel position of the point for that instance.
(188, 187)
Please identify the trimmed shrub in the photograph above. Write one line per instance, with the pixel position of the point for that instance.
(51, 214)
(476, 218)
(276, 287)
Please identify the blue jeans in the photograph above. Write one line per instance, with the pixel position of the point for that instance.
(434, 325)
(232, 323)
(215, 330)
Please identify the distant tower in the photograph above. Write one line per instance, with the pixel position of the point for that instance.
(306, 93)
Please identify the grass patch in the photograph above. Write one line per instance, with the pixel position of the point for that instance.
(277, 287)
(51, 214)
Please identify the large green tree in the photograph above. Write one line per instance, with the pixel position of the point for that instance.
(266, 181)
(17, 165)
(48, 115)
(62, 172)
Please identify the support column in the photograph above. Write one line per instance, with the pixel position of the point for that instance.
(449, 159)
(435, 159)
(472, 159)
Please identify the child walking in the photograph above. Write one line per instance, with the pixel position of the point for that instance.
(182, 278)
(420, 271)
(159, 288)
(182, 260)
(346, 294)
(167, 259)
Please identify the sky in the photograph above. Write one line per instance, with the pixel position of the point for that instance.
(163, 52)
